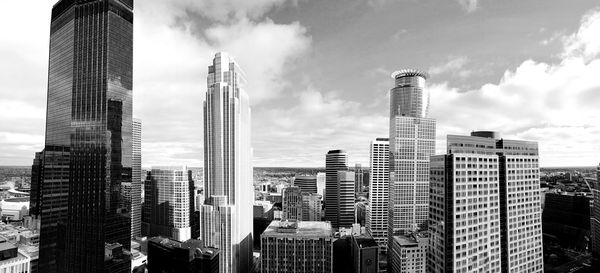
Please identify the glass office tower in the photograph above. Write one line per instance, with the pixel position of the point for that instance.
(88, 150)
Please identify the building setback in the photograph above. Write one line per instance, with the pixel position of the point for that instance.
(377, 210)
(88, 148)
(299, 247)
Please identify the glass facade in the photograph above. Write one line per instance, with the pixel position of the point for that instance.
(88, 152)
(335, 160)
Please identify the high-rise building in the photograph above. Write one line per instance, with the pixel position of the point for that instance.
(306, 183)
(345, 199)
(566, 220)
(335, 160)
(485, 211)
(358, 180)
(365, 254)
(409, 253)
(377, 210)
(412, 142)
(321, 178)
(595, 222)
(167, 203)
(292, 204)
(311, 207)
(302, 247)
(136, 179)
(226, 217)
(171, 256)
(88, 147)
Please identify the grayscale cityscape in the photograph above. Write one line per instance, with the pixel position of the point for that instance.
(299, 136)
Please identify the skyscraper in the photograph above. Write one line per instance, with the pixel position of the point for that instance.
(594, 221)
(311, 207)
(35, 196)
(377, 210)
(226, 217)
(292, 204)
(345, 199)
(167, 203)
(412, 142)
(321, 178)
(485, 203)
(136, 179)
(88, 138)
(358, 180)
(335, 160)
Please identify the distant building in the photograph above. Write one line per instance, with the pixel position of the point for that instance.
(167, 208)
(335, 160)
(292, 204)
(171, 256)
(306, 183)
(311, 207)
(13, 209)
(365, 254)
(409, 253)
(13, 260)
(377, 210)
(358, 178)
(308, 247)
(321, 180)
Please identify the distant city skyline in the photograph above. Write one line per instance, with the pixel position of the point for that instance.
(528, 70)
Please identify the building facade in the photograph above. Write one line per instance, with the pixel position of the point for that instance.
(226, 221)
(321, 181)
(136, 179)
(88, 147)
(595, 222)
(311, 207)
(292, 204)
(306, 183)
(335, 160)
(409, 253)
(412, 142)
(365, 254)
(167, 203)
(377, 209)
(299, 247)
(345, 197)
(172, 256)
(358, 178)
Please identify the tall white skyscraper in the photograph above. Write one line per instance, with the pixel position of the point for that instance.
(136, 179)
(412, 142)
(377, 211)
(226, 217)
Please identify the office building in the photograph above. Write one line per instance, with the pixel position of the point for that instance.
(335, 160)
(409, 253)
(226, 217)
(595, 222)
(301, 247)
(566, 220)
(365, 254)
(167, 209)
(87, 154)
(136, 179)
(358, 179)
(321, 181)
(412, 142)
(485, 206)
(12, 259)
(292, 204)
(311, 207)
(377, 209)
(306, 183)
(345, 200)
(171, 256)
(35, 196)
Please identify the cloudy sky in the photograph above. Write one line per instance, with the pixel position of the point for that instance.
(319, 73)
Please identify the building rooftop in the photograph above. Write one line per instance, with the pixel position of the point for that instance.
(364, 241)
(411, 240)
(298, 229)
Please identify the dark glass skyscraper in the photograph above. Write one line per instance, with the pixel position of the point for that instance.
(88, 149)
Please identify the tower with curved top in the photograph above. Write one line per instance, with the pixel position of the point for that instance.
(412, 142)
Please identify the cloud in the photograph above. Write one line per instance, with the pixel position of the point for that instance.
(469, 5)
(454, 66)
(555, 104)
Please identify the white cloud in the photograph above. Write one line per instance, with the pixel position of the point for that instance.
(469, 5)
(454, 66)
(553, 103)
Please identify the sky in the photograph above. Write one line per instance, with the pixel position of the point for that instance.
(319, 71)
